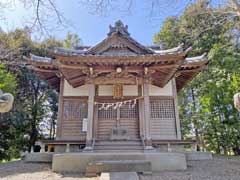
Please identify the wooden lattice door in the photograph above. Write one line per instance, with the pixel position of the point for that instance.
(127, 117)
(163, 122)
(74, 111)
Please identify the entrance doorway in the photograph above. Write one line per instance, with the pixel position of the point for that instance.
(125, 117)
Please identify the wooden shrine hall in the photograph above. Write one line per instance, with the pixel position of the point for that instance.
(118, 94)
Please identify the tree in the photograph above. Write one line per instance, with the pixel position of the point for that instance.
(32, 94)
(206, 106)
(7, 84)
(35, 108)
(72, 41)
(7, 80)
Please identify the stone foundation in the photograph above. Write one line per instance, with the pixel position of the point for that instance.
(196, 156)
(63, 148)
(96, 167)
(171, 148)
(77, 162)
(39, 157)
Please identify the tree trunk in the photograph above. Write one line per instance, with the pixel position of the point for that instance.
(195, 121)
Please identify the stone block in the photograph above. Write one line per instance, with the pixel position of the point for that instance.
(39, 157)
(166, 161)
(196, 156)
(96, 167)
(77, 162)
(119, 176)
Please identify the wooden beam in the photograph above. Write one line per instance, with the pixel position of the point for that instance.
(191, 70)
(45, 70)
(71, 66)
(120, 59)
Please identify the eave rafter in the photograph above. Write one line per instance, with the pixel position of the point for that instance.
(118, 60)
(45, 69)
(80, 73)
(191, 68)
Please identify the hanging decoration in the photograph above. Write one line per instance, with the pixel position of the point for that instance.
(105, 106)
(117, 91)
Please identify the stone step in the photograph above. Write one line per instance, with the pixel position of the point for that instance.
(96, 167)
(119, 176)
(133, 143)
(118, 148)
(118, 145)
(119, 151)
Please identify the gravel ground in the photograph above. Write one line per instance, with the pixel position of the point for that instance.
(220, 168)
(18, 170)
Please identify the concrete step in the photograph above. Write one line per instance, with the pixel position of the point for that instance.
(123, 148)
(118, 151)
(117, 145)
(134, 143)
(119, 176)
(96, 167)
(120, 145)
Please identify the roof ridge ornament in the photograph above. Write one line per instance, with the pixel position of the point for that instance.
(177, 49)
(118, 28)
(200, 58)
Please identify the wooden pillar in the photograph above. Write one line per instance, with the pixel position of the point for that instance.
(91, 91)
(141, 113)
(148, 141)
(60, 109)
(178, 127)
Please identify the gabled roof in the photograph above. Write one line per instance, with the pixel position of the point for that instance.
(119, 38)
(118, 49)
(118, 43)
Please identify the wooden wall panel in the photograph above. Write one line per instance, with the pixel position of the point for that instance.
(74, 110)
(163, 123)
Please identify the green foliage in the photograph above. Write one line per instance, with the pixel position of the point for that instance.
(7, 80)
(71, 41)
(34, 113)
(206, 104)
(167, 37)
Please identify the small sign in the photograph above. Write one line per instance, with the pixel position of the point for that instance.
(85, 122)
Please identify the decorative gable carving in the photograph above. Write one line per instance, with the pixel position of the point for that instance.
(119, 42)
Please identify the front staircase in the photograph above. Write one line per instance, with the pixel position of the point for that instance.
(118, 146)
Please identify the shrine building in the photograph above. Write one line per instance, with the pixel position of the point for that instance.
(117, 95)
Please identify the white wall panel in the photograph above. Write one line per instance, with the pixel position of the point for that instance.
(130, 90)
(105, 90)
(157, 91)
(70, 91)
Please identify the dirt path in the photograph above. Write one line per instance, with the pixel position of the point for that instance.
(220, 168)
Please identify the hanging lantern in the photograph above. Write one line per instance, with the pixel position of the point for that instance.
(117, 91)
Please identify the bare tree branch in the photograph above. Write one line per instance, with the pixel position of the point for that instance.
(234, 6)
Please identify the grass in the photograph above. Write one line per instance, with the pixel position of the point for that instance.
(226, 156)
(12, 160)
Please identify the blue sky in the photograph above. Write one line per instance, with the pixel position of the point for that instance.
(92, 28)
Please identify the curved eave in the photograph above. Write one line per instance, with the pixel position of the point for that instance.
(88, 52)
(45, 70)
(118, 60)
(50, 76)
(175, 50)
(189, 69)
